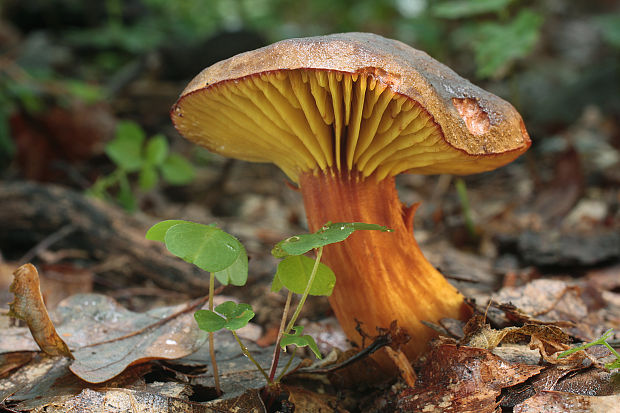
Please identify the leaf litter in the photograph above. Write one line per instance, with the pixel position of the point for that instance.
(114, 349)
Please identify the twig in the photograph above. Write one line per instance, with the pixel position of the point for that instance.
(47, 242)
(378, 343)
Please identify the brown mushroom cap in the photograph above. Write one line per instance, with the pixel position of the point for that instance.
(352, 101)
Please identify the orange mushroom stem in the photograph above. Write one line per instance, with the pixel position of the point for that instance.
(381, 276)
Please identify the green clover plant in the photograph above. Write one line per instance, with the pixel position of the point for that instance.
(225, 258)
(132, 153)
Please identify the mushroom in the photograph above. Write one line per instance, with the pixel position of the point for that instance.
(342, 115)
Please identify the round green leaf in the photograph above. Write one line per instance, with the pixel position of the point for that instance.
(158, 231)
(209, 321)
(294, 273)
(237, 315)
(156, 150)
(176, 170)
(205, 246)
(237, 273)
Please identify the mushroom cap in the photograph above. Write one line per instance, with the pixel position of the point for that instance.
(348, 101)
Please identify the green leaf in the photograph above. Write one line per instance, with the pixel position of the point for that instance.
(205, 246)
(496, 45)
(468, 8)
(156, 150)
(300, 341)
(237, 315)
(158, 231)
(148, 177)
(176, 170)
(126, 149)
(294, 273)
(237, 273)
(328, 234)
(209, 321)
(276, 284)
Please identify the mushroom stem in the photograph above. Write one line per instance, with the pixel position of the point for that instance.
(380, 277)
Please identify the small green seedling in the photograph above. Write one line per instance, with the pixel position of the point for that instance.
(132, 153)
(302, 275)
(601, 341)
(221, 254)
(212, 250)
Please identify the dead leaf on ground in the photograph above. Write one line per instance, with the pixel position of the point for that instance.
(307, 401)
(121, 401)
(128, 338)
(107, 338)
(548, 339)
(458, 379)
(561, 402)
(250, 402)
(28, 306)
(547, 300)
(47, 381)
(544, 381)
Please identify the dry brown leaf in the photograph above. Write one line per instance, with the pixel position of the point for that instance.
(307, 401)
(546, 300)
(12, 361)
(28, 306)
(462, 379)
(547, 338)
(546, 380)
(560, 402)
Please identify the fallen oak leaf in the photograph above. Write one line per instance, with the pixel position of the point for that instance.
(29, 306)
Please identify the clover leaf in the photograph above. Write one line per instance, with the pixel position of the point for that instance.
(233, 317)
(300, 341)
(294, 273)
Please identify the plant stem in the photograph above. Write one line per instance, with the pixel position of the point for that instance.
(461, 190)
(276, 351)
(319, 253)
(246, 352)
(216, 375)
(288, 364)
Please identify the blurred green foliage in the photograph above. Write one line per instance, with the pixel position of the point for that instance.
(498, 32)
(132, 153)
